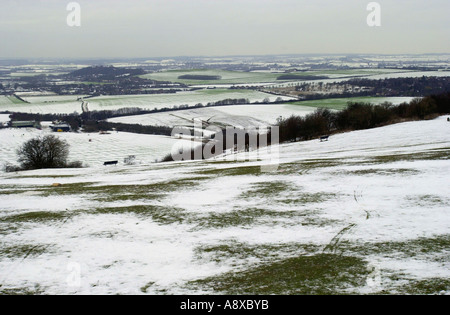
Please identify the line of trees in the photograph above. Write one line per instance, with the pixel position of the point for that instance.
(369, 87)
(96, 126)
(359, 116)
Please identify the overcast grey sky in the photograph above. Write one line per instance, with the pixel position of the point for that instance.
(158, 28)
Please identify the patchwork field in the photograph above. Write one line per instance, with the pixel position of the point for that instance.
(250, 115)
(69, 104)
(365, 212)
(235, 115)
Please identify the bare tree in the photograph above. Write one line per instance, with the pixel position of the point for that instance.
(43, 152)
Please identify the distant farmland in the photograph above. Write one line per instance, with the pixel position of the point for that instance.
(217, 76)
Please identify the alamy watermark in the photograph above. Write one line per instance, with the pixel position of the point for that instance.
(74, 17)
(374, 17)
(73, 279)
(208, 141)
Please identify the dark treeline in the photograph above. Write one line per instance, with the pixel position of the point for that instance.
(403, 86)
(199, 77)
(77, 122)
(383, 87)
(104, 73)
(301, 77)
(359, 116)
(96, 126)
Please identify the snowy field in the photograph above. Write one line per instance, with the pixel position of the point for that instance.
(235, 115)
(4, 118)
(92, 149)
(69, 104)
(248, 115)
(365, 212)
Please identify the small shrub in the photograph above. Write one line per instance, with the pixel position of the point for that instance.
(74, 164)
(167, 158)
(9, 168)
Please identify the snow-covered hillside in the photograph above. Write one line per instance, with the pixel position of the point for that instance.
(380, 195)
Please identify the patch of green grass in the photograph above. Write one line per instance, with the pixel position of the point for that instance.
(266, 189)
(38, 216)
(145, 288)
(381, 172)
(304, 167)
(239, 251)
(407, 249)
(15, 191)
(235, 171)
(307, 198)
(320, 274)
(242, 218)
(159, 214)
(37, 290)
(432, 286)
(248, 217)
(123, 192)
(67, 189)
(427, 200)
(156, 288)
(15, 100)
(443, 154)
(23, 250)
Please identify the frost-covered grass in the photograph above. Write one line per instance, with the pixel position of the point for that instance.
(366, 212)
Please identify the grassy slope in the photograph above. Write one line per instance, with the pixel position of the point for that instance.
(341, 267)
(317, 271)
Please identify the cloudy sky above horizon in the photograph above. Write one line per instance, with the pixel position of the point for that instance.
(165, 28)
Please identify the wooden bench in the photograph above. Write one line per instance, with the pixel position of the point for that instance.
(110, 163)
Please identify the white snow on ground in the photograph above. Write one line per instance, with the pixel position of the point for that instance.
(386, 184)
(236, 115)
(4, 118)
(93, 149)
